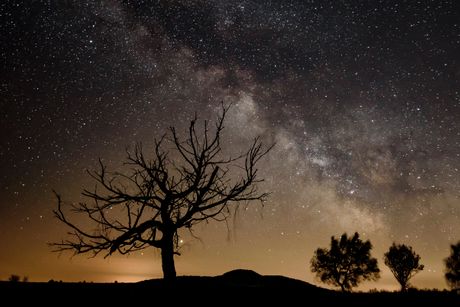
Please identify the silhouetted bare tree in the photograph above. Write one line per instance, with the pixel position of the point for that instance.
(403, 262)
(347, 263)
(452, 263)
(189, 183)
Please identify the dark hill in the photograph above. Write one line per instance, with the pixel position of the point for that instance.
(237, 279)
(238, 287)
(248, 278)
(241, 275)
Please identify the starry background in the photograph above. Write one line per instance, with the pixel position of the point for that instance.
(361, 97)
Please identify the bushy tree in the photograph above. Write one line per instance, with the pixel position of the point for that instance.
(14, 278)
(347, 263)
(452, 271)
(403, 262)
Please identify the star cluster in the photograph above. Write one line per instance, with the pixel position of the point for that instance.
(361, 97)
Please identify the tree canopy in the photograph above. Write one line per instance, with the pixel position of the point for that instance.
(347, 263)
(452, 271)
(403, 262)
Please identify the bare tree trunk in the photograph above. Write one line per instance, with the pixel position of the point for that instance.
(194, 187)
(167, 256)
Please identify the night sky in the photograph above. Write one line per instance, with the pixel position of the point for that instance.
(361, 97)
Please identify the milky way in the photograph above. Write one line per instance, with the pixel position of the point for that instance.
(361, 98)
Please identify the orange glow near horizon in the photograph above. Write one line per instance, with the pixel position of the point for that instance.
(360, 98)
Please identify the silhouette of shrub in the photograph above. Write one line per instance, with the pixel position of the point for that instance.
(14, 278)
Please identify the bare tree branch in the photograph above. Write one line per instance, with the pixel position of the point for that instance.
(175, 188)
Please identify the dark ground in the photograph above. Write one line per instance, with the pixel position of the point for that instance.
(239, 287)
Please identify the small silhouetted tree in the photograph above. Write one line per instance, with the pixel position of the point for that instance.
(347, 263)
(14, 278)
(185, 182)
(403, 262)
(452, 270)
